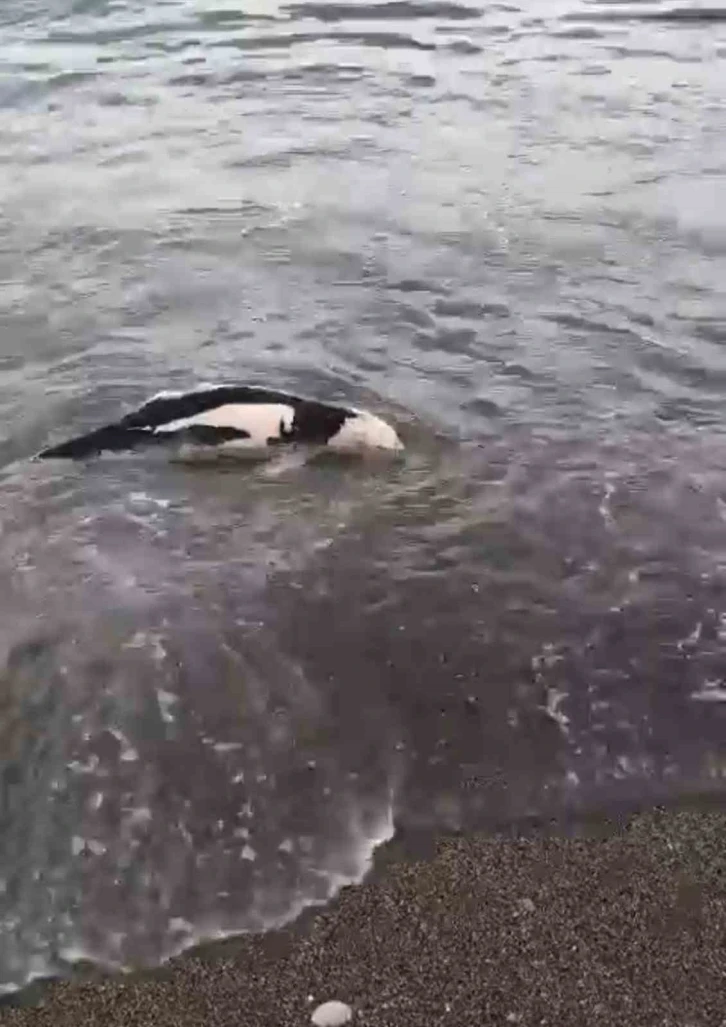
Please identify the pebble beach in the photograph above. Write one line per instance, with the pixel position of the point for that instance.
(619, 921)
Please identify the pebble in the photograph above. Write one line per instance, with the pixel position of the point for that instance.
(332, 1014)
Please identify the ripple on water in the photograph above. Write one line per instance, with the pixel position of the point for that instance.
(397, 10)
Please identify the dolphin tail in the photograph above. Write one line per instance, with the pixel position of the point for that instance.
(112, 438)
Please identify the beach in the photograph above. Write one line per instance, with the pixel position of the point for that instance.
(225, 687)
(620, 921)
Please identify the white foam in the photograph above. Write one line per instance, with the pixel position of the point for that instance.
(364, 844)
(77, 953)
(179, 924)
(89, 767)
(128, 753)
(604, 507)
(144, 497)
(693, 638)
(712, 691)
(138, 815)
(166, 701)
(222, 747)
(554, 698)
(178, 393)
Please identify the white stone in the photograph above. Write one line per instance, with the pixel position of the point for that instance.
(332, 1014)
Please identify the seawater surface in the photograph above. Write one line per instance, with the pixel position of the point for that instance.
(501, 225)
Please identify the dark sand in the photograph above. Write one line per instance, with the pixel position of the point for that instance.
(622, 922)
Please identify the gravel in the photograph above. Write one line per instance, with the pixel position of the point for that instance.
(622, 923)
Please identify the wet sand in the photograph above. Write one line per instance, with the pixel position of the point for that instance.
(621, 920)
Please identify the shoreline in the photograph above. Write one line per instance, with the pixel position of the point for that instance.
(607, 918)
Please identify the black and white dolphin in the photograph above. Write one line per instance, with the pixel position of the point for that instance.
(233, 418)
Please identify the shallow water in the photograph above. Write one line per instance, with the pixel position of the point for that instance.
(504, 227)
